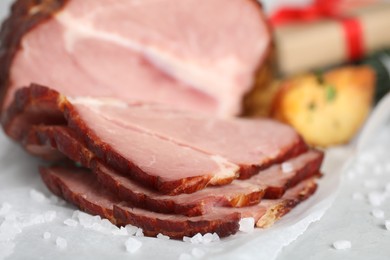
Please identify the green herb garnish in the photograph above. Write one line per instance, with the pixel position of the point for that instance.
(330, 93)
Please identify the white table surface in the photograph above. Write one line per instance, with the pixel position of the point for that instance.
(347, 219)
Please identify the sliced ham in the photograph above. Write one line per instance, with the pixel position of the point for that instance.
(153, 158)
(239, 193)
(200, 56)
(258, 149)
(82, 189)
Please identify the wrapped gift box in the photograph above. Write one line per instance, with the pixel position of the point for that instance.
(310, 45)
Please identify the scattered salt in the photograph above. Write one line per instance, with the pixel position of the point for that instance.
(131, 230)
(37, 196)
(30, 220)
(161, 236)
(120, 232)
(216, 237)
(46, 235)
(61, 243)
(357, 196)
(50, 215)
(342, 244)
(85, 219)
(247, 225)
(387, 224)
(372, 184)
(197, 239)
(70, 222)
(378, 213)
(139, 233)
(197, 252)
(376, 198)
(287, 167)
(132, 245)
(207, 238)
(5, 208)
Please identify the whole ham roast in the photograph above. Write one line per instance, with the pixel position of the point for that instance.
(133, 104)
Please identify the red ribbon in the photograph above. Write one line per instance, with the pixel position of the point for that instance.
(321, 9)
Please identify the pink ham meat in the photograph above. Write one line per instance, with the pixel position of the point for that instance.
(239, 193)
(153, 159)
(251, 144)
(201, 56)
(81, 189)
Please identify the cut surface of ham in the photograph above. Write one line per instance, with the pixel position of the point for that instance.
(165, 51)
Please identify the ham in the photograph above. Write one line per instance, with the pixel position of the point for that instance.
(166, 163)
(81, 189)
(273, 181)
(143, 95)
(203, 57)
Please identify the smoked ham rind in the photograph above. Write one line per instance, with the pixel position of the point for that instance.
(208, 71)
(81, 189)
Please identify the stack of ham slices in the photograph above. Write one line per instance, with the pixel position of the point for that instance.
(137, 116)
(164, 170)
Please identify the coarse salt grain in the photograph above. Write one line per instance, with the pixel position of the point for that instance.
(132, 245)
(378, 213)
(247, 225)
(120, 232)
(287, 167)
(161, 236)
(216, 237)
(46, 235)
(186, 239)
(61, 243)
(387, 224)
(131, 230)
(139, 233)
(207, 238)
(70, 222)
(197, 239)
(37, 196)
(342, 244)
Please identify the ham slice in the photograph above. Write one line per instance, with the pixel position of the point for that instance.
(239, 193)
(200, 56)
(210, 135)
(156, 160)
(81, 189)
